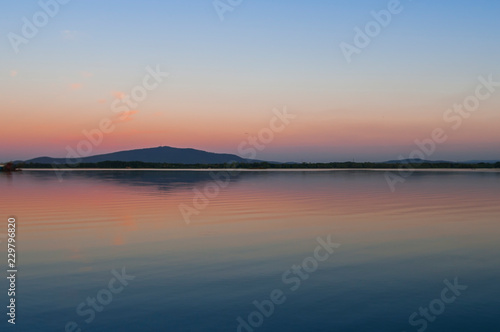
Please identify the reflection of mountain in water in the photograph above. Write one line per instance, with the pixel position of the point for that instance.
(162, 180)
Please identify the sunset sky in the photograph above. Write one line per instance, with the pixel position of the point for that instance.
(225, 77)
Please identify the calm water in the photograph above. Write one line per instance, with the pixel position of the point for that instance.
(396, 251)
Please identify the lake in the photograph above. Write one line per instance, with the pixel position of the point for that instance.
(253, 251)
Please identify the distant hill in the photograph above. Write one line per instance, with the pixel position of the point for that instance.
(421, 161)
(162, 154)
(481, 161)
(416, 161)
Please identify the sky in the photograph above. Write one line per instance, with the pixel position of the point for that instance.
(360, 80)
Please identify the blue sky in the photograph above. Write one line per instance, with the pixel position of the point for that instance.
(230, 74)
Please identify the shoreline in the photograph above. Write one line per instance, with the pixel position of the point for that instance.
(482, 170)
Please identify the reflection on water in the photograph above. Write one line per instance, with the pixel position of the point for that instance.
(396, 249)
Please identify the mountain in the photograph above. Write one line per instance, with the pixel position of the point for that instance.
(162, 154)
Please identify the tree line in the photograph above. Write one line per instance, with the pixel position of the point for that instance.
(265, 165)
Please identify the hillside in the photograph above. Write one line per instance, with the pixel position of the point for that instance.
(163, 154)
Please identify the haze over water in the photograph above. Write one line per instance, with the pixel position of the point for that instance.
(396, 249)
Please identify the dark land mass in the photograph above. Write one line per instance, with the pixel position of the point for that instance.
(264, 165)
(162, 154)
(174, 158)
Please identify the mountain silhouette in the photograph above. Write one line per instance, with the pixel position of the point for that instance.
(162, 154)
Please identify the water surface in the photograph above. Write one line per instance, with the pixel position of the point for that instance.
(396, 249)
